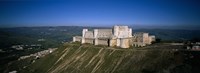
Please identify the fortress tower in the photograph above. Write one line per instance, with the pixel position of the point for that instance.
(83, 35)
(122, 33)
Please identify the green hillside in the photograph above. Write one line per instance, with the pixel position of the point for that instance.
(76, 58)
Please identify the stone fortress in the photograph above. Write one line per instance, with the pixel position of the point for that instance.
(120, 36)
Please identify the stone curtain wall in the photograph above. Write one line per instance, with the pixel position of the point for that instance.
(104, 33)
(103, 41)
(90, 41)
(77, 39)
(89, 34)
(113, 42)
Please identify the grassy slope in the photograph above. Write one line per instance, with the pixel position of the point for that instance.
(78, 58)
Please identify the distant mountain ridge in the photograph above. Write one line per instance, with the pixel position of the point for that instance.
(164, 34)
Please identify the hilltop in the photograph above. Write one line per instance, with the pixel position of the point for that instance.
(76, 58)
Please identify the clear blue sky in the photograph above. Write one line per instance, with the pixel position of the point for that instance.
(100, 13)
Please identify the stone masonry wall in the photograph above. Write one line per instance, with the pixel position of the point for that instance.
(113, 42)
(104, 33)
(90, 41)
(103, 41)
(77, 39)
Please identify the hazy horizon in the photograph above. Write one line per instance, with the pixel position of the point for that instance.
(110, 26)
